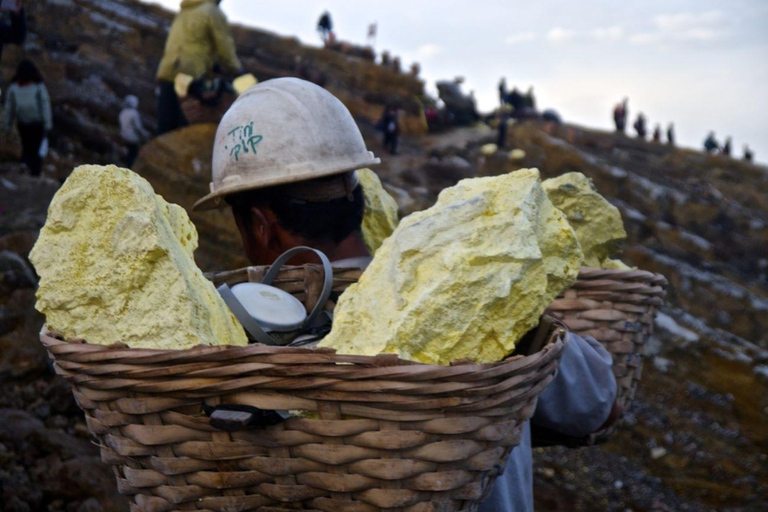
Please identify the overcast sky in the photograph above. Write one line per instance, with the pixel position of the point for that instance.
(700, 63)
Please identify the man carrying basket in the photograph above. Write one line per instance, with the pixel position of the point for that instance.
(284, 160)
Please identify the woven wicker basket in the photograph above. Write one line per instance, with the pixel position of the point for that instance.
(617, 308)
(389, 434)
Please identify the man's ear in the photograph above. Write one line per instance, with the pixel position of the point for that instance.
(262, 226)
(257, 231)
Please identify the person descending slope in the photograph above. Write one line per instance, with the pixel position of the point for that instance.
(301, 188)
(198, 42)
(132, 130)
(27, 102)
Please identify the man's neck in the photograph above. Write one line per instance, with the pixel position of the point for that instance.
(350, 247)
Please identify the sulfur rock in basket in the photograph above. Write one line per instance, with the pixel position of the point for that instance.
(380, 218)
(597, 222)
(463, 279)
(115, 264)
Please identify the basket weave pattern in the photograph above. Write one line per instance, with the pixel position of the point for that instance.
(388, 434)
(616, 307)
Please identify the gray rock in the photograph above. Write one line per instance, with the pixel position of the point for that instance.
(15, 272)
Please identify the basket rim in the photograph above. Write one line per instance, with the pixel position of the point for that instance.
(81, 351)
(645, 276)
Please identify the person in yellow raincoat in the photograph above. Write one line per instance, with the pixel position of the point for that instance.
(199, 40)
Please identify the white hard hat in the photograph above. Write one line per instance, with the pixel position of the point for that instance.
(283, 131)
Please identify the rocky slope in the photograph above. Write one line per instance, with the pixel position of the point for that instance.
(93, 53)
(696, 438)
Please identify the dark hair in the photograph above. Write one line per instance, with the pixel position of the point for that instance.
(26, 72)
(332, 220)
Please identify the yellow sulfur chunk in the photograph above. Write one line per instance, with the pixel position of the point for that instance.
(463, 279)
(116, 266)
(380, 218)
(597, 222)
(608, 263)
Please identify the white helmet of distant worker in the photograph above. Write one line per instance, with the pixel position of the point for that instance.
(282, 131)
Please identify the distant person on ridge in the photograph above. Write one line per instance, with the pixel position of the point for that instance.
(199, 40)
(671, 134)
(502, 115)
(529, 101)
(620, 114)
(27, 102)
(131, 129)
(517, 101)
(656, 133)
(726, 150)
(325, 26)
(502, 91)
(748, 155)
(639, 126)
(390, 125)
(13, 25)
(710, 144)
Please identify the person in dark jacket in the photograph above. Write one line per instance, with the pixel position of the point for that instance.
(515, 98)
(639, 126)
(325, 26)
(390, 125)
(502, 91)
(671, 134)
(27, 102)
(529, 100)
(710, 144)
(726, 150)
(502, 114)
(656, 133)
(620, 113)
(749, 156)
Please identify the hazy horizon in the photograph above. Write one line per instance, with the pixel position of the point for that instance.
(702, 65)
